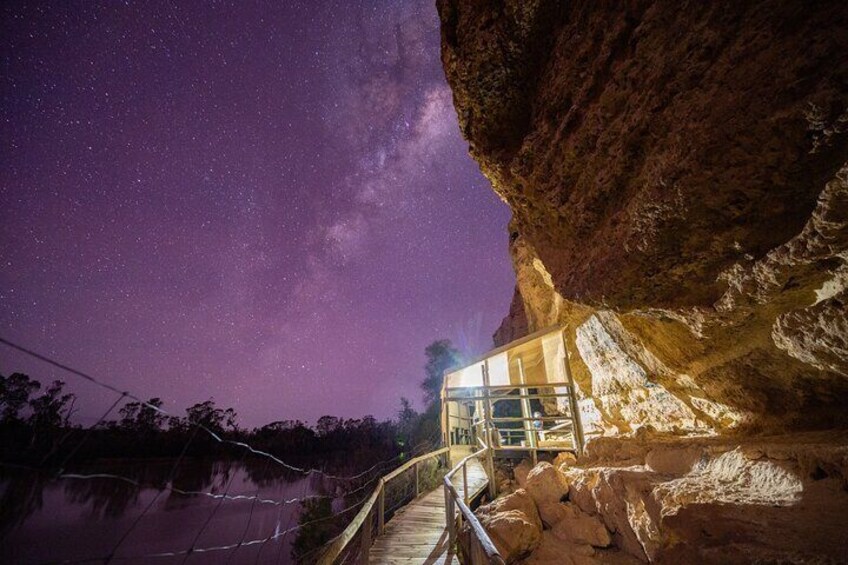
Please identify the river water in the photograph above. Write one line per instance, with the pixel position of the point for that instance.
(43, 519)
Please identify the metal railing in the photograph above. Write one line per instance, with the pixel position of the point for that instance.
(374, 509)
(480, 548)
(559, 431)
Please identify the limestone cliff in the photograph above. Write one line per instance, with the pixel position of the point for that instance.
(678, 175)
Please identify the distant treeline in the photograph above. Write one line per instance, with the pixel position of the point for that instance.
(36, 427)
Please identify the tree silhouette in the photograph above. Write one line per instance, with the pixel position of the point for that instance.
(51, 408)
(208, 415)
(142, 418)
(441, 356)
(15, 391)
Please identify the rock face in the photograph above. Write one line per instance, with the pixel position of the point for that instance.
(775, 499)
(678, 176)
(671, 500)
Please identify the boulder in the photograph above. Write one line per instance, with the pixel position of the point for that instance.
(565, 459)
(551, 513)
(513, 523)
(519, 500)
(622, 498)
(546, 484)
(578, 527)
(521, 471)
(555, 551)
(514, 535)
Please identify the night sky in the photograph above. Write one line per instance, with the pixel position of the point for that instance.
(268, 205)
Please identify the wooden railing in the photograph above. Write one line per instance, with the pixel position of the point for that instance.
(480, 548)
(375, 508)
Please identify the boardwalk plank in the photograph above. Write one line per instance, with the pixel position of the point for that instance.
(416, 534)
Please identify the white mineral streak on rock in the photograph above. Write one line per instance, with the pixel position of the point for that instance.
(731, 478)
(622, 384)
(540, 268)
(835, 285)
(557, 300)
(643, 525)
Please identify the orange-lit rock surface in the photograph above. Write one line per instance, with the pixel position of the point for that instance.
(678, 176)
(666, 499)
(678, 180)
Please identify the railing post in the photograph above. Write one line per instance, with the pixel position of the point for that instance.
(465, 483)
(450, 518)
(415, 466)
(381, 508)
(477, 553)
(366, 537)
(576, 424)
(490, 453)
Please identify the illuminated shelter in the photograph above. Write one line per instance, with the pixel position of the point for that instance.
(515, 399)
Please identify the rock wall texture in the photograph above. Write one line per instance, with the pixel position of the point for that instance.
(777, 499)
(678, 175)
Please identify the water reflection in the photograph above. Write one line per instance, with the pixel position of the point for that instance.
(44, 519)
(20, 496)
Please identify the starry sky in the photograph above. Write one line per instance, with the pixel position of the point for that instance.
(268, 204)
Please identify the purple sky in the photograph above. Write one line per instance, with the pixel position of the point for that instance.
(271, 206)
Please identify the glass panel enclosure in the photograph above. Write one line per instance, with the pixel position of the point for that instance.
(517, 397)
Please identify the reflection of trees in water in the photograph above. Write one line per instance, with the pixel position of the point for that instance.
(108, 498)
(113, 495)
(325, 499)
(264, 473)
(197, 475)
(22, 494)
(322, 519)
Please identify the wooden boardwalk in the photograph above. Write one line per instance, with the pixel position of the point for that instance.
(417, 534)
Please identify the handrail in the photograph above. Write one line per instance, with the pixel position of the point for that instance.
(335, 549)
(484, 550)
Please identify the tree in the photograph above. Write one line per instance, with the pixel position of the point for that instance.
(15, 391)
(326, 425)
(51, 409)
(407, 419)
(142, 417)
(441, 356)
(208, 415)
(429, 427)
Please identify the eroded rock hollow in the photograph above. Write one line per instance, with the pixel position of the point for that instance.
(678, 176)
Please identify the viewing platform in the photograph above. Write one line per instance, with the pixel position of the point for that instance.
(516, 401)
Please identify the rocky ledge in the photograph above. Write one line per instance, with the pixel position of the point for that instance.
(666, 500)
(678, 176)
